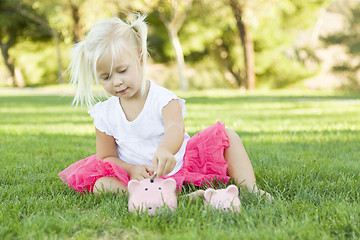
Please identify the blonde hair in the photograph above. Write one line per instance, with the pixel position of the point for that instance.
(110, 35)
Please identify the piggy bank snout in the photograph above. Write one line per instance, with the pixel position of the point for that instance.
(152, 189)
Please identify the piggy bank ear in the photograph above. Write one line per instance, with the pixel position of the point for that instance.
(169, 183)
(233, 190)
(132, 185)
(208, 193)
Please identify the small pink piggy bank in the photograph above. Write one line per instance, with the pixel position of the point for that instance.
(151, 194)
(223, 199)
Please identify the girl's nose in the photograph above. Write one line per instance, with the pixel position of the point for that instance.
(117, 81)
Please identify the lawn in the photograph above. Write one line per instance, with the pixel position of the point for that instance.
(304, 147)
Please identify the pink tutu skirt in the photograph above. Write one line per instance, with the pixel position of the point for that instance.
(203, 162)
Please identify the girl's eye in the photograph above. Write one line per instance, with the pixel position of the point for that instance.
(106, 77)
(123, 70)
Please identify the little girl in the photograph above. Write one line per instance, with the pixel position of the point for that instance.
(140, 128)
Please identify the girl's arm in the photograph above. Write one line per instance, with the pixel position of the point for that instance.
(163, 159)
(106, 150)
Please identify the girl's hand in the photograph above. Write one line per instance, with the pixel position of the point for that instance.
(140, 172)
(164, 162)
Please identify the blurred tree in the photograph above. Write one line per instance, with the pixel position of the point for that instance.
(19, 21)
(212, 27)
(276, 26)
(78, 30)
(173, 14)
(210, 31)
(238, 9)
(350, 38)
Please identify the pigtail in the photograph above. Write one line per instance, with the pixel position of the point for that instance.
(139, 25)
(81, 76)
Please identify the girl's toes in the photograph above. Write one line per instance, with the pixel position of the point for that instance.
(266, 195)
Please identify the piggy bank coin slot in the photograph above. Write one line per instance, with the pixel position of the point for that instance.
(153, 177)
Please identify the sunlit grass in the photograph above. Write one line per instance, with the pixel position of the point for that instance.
(304, 149)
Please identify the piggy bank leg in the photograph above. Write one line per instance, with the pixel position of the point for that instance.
(196, 195)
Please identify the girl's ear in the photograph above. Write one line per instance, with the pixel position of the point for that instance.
(141, 58)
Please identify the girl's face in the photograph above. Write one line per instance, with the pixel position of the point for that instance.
(124, 80)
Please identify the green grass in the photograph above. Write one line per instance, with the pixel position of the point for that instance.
(305, 150)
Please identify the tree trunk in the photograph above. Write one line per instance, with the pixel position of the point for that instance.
(76, 18)
(179, 57)
(247, 44)
(17, 79)
(8, 61)
(173, 26)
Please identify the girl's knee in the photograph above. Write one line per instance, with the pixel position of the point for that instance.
(108, 184)
(232, 134)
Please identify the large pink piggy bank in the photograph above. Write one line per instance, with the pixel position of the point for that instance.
(149, 195)
(223, 199)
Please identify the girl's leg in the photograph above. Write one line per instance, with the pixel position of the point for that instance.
(239, 165)
(108, 184)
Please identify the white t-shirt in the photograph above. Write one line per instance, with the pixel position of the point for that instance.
(138, 140)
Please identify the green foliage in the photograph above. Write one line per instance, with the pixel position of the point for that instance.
(350, 39)
(37, 61)
(210, 21)
(159, 44)
(275, 34)
(298, 14)
(274, 25)
(15, 24)
(206, 22)
(278, 71)
(303, 147)
(205, 74)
